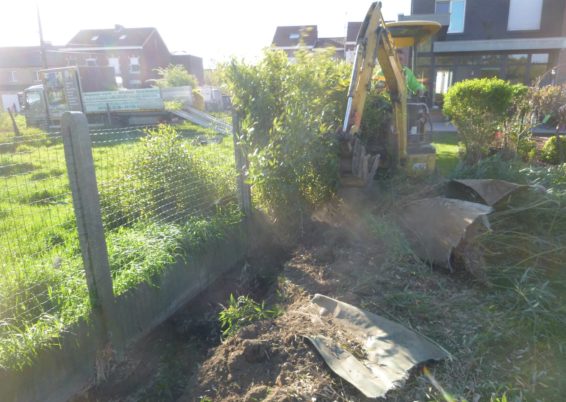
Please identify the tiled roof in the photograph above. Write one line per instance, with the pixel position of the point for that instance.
(117, 37)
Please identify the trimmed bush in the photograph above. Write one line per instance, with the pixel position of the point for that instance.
(477, 108)
(551, 151)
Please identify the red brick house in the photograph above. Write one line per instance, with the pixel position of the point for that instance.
(134, 53)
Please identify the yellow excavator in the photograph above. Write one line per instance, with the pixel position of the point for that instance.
(409, 149)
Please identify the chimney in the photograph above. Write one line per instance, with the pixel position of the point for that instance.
(119, 28)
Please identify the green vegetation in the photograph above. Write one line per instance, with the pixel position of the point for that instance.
(447, 152)
(477, 108)
(173, 105)
(175, 75)
(289, 113)
(552, 149)
(241, 312)
(522, 311)
(42, 282)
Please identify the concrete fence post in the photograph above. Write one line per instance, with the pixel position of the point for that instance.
(82, 179)
(244, 190)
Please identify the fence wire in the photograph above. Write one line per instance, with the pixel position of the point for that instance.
(158, 187)
(155, 183)
(42, 282)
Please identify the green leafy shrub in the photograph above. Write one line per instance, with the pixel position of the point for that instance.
(552, 148)
(163, 179)
(477, 108)
(241, 312)
(175, 75)
(377, 120)
(289, 112)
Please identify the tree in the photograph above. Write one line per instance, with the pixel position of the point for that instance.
(175, 75)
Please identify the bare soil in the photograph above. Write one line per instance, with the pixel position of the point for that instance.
(341, 256)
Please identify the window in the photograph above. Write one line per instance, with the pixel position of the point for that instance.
(122, 37)
(294, 36)
(457, 16)
(539, 58)
(36, 76)
(424, 61)
(489, 72)
(524, 15)
(94, 38)
(90, 62)
(517, 67)
(443, 81)
(442, 7)
(12, 77)
(425, 47)
(517, 58)
(134, 65)
(446, 60)
(539, 66)
(114, 62)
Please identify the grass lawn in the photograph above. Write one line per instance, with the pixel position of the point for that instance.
(42, 281)
(446, 145)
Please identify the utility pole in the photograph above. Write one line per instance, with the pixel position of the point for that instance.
(41, 41)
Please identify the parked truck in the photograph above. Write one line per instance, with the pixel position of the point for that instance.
(93, 91)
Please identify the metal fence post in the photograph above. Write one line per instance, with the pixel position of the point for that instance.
(82, 179)
(244, 190)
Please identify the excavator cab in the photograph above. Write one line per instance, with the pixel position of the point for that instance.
(407, 145)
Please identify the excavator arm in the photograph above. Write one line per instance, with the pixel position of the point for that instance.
(376, 44)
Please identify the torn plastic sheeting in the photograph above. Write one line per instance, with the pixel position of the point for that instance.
(488, 191)
(390, 349)
(436, 226)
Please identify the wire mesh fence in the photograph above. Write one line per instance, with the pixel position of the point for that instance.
(162, 192)
(42, 283)
(159, 189)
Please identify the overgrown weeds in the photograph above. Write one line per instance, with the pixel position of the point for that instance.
(524, 252)
(242, 311)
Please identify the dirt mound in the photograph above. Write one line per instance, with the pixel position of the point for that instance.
(270, 360)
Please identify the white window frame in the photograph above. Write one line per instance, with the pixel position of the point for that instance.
(116, 65)
(515, 17)
(13, 76)
(36, 76)
(135, 61)
(450, 29)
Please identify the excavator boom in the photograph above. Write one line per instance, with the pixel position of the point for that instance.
(376, 44)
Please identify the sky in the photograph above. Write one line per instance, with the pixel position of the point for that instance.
(212, 29)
